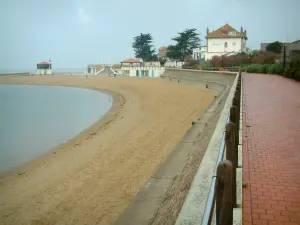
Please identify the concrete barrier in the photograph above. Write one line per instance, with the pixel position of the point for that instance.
(201, 75)
(144, 206)
(194, 205)
(214, 80)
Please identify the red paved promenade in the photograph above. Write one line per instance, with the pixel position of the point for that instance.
(271, 150)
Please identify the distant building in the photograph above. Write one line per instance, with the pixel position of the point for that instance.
(95, 68)
(162, 52)
(200, 53)
(292, 49)
(225, 41)
(44, 68)
(135, 68)
(263, 46)
(117, 68)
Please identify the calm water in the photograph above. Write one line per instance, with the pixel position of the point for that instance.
(33, 70)
(34, 119)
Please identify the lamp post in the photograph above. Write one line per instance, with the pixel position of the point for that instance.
(222, 60)
(250, 58)
(284, 57)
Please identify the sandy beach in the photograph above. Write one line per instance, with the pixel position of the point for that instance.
(92, 178)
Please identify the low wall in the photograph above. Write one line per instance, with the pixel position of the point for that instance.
(204, 79)
(194, 206)
(16, 74)
(73, 74)
(142, 210)
(215, 76)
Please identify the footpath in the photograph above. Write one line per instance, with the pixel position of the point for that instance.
(271, 150)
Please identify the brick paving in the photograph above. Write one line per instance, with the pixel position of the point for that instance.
(271, 150)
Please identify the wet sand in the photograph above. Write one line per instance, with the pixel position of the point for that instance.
(93, 177)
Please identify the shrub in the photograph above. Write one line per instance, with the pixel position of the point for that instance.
(230, 60)
(286, 72)
(297, 75)
(265, 58)
(243, 69)
(216, 61)
(266, 67)
(206, 66)
(290, 73)
(254, 68)
(295, 62)
(275, 69)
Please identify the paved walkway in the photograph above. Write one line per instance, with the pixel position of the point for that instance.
(271, 150)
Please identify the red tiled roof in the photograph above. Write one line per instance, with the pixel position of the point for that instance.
(224, 32)
(43, 63)
(130, 61)
(163, 48)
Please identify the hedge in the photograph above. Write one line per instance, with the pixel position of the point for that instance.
(257, 68)
(293, 73)
(275, 69)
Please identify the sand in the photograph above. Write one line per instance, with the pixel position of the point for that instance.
(92, 178)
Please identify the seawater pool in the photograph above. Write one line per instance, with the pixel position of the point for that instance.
(34, 119)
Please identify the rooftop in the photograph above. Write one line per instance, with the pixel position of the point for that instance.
(130, 61)
(226, 31)
(163, 48)
(44, 63)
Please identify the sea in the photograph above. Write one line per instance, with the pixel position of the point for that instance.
(35, 119)
(32, 70)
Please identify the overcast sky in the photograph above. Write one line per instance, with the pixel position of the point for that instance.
(76, 32)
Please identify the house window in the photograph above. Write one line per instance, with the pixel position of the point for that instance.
(232, 33)
(225, 45)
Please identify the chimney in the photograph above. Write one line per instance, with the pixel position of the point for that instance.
(207, 31)
(241, 29)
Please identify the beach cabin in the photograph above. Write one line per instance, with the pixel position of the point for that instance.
(135, 68)
(116, 68)
(95, 68)
(44, 68)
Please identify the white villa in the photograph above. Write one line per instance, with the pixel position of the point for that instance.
(135, 68)
(224, 41)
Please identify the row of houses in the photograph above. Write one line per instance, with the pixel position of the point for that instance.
(224, 41)
(136, 68)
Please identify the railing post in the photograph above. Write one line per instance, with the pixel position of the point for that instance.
(231, 155)
(233, 117)
(223, 190)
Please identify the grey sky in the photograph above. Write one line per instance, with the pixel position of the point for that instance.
(76, 32)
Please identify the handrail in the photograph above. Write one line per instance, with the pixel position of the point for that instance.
(211, 200)
(209, 208)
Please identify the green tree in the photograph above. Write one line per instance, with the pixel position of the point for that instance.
(162, 61)
(174, 52)
(274, 47)
(254, 52)
(143, 47)
(185, 42)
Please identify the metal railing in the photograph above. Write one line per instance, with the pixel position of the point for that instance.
(220, 69)
(222, 194)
